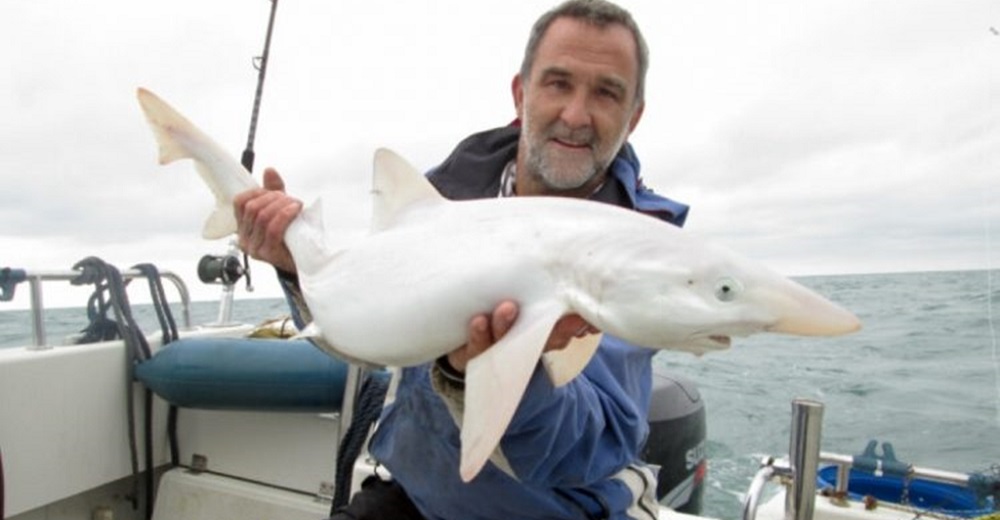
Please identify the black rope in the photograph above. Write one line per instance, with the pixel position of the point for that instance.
(148, 443)
(175, 453)
(367, 409)
(168, 327)
(2, 488)
(100, 327)
(160, 303)
(9, 278)
(107, 279)
(170, 333)
(110, 293)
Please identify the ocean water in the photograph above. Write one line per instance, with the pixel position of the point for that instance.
(923, 374)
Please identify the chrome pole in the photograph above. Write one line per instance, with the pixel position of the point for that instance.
(229, 289)
(803, 450)
(37, 314)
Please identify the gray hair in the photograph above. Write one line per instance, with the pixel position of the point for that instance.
(599, 13)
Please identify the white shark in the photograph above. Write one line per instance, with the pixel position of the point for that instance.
(404, 295)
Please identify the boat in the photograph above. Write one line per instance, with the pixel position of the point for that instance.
(228, 420)
(209, 421)
(239, 427)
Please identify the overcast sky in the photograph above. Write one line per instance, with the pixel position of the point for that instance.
(819, 137)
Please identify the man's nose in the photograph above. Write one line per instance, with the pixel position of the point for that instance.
(576, 113)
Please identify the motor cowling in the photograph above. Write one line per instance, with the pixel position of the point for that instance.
(676, 442)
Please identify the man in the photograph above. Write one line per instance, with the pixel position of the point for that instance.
(571, 452)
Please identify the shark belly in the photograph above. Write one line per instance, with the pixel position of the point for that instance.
(406, 296)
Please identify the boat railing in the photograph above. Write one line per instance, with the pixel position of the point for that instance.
(35, 278)
(799, 471)
(844, 463)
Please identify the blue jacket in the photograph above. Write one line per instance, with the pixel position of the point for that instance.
(570, 448)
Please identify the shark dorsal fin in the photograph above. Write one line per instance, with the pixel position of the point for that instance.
(397, 185)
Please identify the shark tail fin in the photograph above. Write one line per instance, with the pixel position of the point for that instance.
(178, 139)
(166, 123)
(397, 185)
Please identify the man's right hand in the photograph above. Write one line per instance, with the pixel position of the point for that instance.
(487, 329)
(262, 216)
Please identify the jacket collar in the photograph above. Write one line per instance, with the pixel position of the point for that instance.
(474, 168)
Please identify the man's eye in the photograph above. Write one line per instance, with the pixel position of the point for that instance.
(559, 84)
(610, 94)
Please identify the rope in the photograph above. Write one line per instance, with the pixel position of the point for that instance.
(168, 327)
(148, 446)
(160, 303)
(100, 327)
(366, 411)
(9, 278)
(175, 451)
(107, 279)
(109, 292)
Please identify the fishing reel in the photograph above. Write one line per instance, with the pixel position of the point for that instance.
(225, 269)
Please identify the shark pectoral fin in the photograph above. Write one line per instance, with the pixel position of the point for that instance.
(495, 381)
(565, 364)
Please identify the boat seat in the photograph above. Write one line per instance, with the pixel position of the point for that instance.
(246, 374)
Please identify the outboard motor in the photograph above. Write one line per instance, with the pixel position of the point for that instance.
(676, 442)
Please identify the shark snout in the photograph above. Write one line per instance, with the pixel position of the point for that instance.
(804, 313)
(825, 323)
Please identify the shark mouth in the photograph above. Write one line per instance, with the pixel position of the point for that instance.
(724, 341)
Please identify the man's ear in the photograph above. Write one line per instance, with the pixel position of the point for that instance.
(517, 91)
(634, 122)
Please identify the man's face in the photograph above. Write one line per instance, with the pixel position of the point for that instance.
(577, 107)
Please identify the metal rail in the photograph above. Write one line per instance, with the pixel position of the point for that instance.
(845, 462)
(798, 472)
(35, 279)
(763, 476)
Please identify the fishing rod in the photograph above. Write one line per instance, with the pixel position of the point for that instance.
(248, 154)
(227, 269)
(260, 63)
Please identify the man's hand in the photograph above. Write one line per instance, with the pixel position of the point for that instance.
(485, 330)
(262, 216)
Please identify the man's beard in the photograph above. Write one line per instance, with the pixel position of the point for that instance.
(563, 170)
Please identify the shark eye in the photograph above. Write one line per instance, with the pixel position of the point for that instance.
(727, 289)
